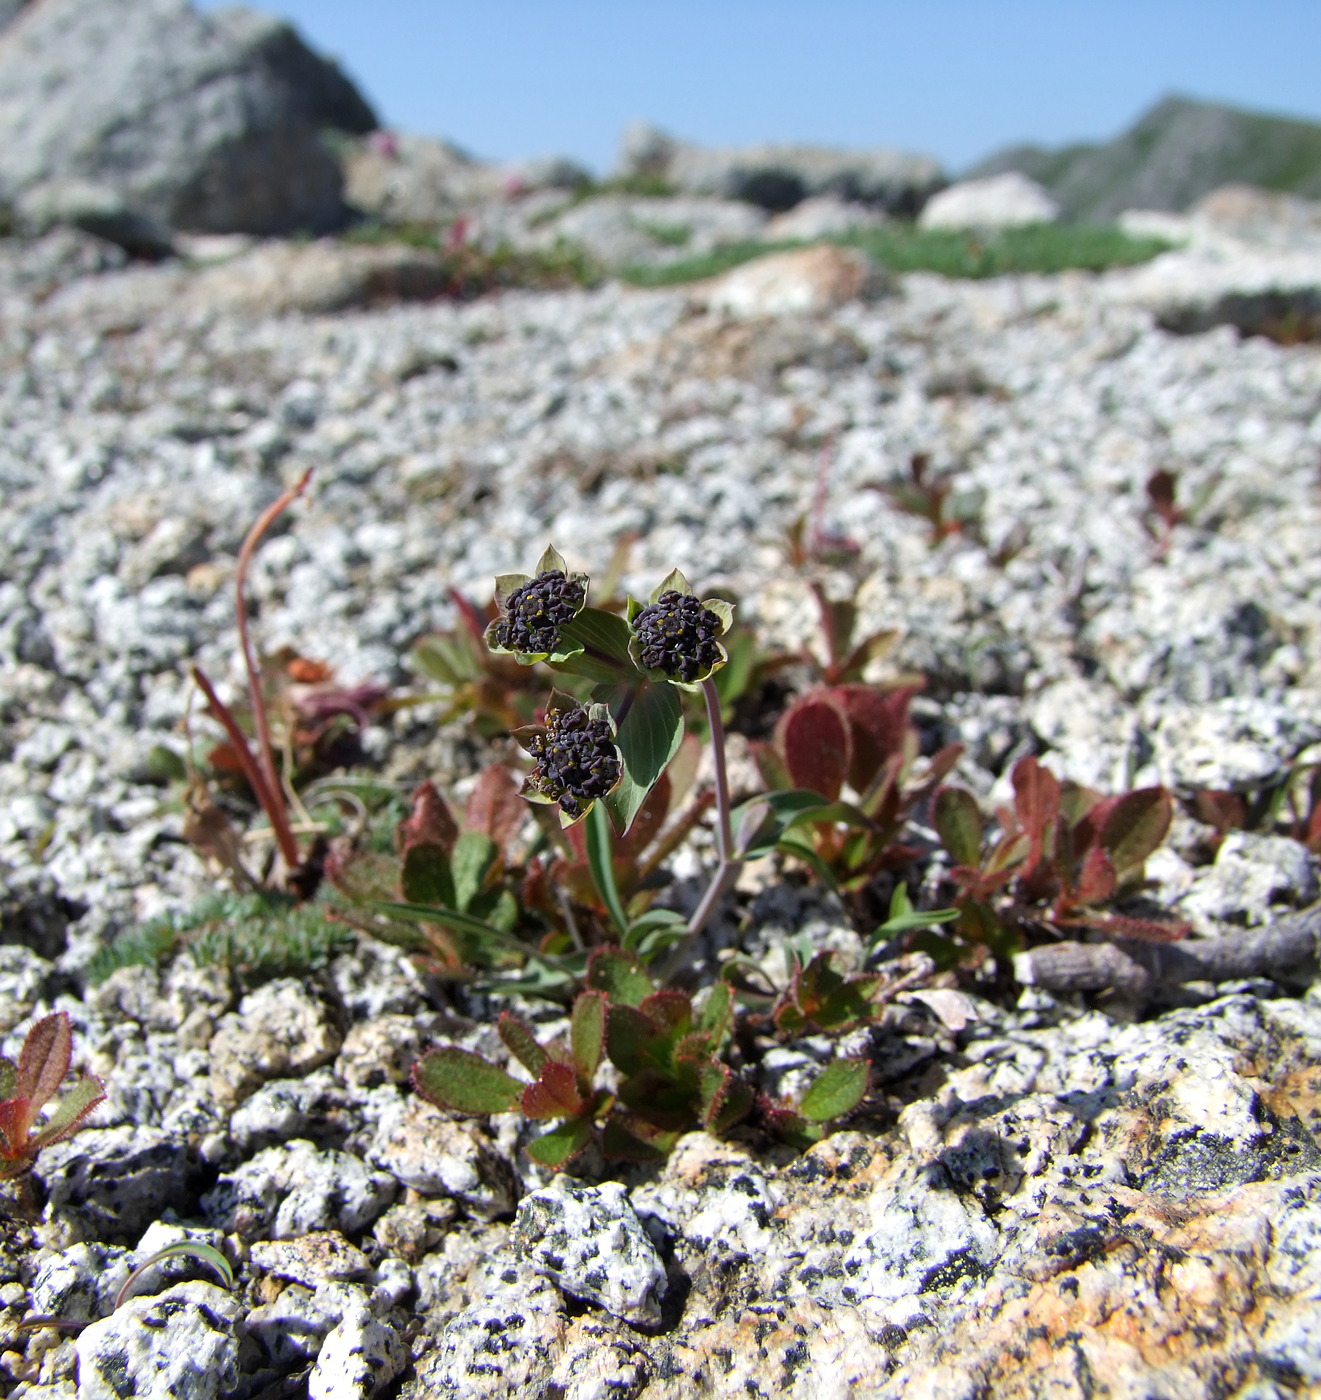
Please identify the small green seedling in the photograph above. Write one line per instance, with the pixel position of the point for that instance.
(26, 1087)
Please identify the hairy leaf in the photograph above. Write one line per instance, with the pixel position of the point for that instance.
(1036, 804)
(554, 1094)
(958, 820)
(620, 975)
(465, 1083)
(587, 1033)
(521, 1042)
(878, 726)
(837, 1090)
(44, 1059)
(67, 1116)
(429, 822)
(557, 1147)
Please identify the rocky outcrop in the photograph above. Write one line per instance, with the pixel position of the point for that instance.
(189, 121)
(779, 176)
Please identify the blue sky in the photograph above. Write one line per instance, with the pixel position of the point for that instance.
(955, 78)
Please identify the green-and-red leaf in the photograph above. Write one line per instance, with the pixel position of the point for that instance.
(465, 1083)
(555, 1093)
(521, 1043)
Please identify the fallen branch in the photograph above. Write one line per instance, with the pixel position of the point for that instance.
(1133, 968)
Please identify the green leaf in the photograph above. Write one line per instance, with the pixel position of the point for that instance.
(650, 731)
(450, 660)
(903, 917)
(465, 1083)
(561, 1144)
(781, 810)
(837, 1090)
(713, 1085)
(634, 1140)
(471, 860)
(72, 1108)
(464, 923)
(713, 1013)
(204, 1253)
(551, 561)
(600, 861)
(958, 821)
(521, 1043)
(587, 1033)
(653, 932)
(673, 581)
(8, 1078)
(604, 634)
(630, 1033)
(620, 976)
(426, 875)
(1135, 825)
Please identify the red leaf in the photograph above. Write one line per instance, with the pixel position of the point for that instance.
(430, 823)
(555, 1093)
(44, 1059)
(16, 1117)
(1036, 805)
(812, 738)
(1097, 879)
(494, 807)
(1222, 810)
(878, 726)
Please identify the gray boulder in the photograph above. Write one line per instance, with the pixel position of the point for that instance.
(212, 123)
(779, 177)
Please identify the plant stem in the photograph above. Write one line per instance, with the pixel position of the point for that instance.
(260, 723)
(728, 869)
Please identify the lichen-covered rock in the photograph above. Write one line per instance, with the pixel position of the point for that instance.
(279, 1030)
(285, 1192)
(361, 1355)
(182, 1343)
(589, 1240)
(499, 1349)
(116, 1180)
(435, 1155)
(80, 1283)
(324, 1256)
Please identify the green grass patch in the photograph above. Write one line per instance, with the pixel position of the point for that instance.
(255, 935)
(907, 248)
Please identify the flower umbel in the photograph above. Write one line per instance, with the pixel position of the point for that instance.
(576, 757)
(533, 611)
(676, 635)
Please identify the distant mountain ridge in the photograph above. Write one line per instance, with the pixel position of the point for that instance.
(1174, 154)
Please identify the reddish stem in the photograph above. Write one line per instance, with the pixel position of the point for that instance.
(272, 803)
(260, 723)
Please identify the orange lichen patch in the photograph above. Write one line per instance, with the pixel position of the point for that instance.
(1296, 1094)
(789, 1350)
(1129, 1295)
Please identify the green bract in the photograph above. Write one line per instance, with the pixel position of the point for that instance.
(534, 609)
(577, 760)
(675, 635)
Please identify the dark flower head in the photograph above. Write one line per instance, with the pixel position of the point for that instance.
(676, 635)
(533, 611)
(576, 757)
